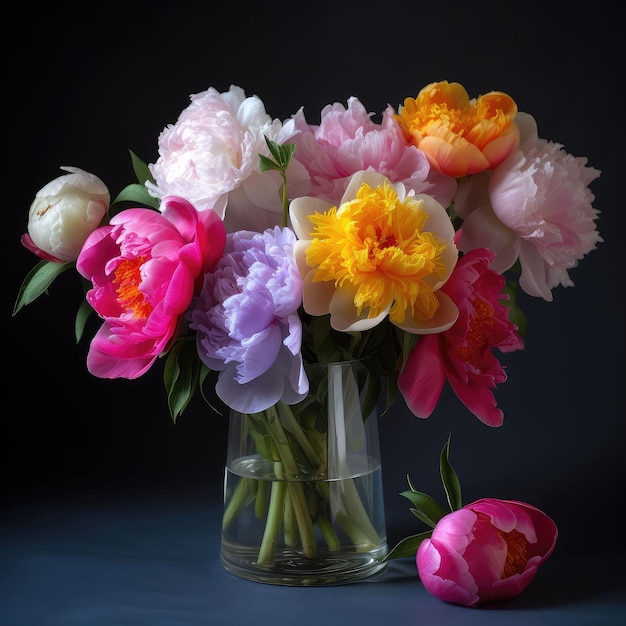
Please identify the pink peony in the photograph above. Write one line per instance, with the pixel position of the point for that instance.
(488, 550)
(347, 140)
(211, 157)
(464, 354)
(535, 206)
(145, 268)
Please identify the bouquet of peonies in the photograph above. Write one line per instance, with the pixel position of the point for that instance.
(253, 250)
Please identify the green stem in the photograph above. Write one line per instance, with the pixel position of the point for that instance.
(273, 523)
(260, 500)
(303, 519)
(242, 495)
(284, 199)
(296, 492)
(328, 532)
(292, 425)
(289, 515)
(291, 524)
(354, 519)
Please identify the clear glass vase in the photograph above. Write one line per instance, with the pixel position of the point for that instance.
(303, 490)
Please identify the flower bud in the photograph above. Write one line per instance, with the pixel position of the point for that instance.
(488, 550)
(64, 213)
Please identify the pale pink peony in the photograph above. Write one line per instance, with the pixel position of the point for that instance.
(347, 140)
(210, 156)
(535, 206)
(464, 354)
(145, 268)
(488, 550)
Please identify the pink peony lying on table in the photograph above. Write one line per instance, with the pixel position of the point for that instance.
(488, 550)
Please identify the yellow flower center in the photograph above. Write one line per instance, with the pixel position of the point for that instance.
(376, 244)
(128, 278)
(479, 330)
(517, 553)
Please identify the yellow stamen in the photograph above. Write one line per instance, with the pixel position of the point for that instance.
(376, 243)
(516, 556)
(128, 278)
(479, 331)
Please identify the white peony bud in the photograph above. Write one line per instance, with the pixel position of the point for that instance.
(64, 213)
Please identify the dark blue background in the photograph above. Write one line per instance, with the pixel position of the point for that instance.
(82, 89)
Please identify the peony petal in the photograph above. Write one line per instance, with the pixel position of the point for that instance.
(423, 377)
(343, 315)
(482, 229)
(443, 319)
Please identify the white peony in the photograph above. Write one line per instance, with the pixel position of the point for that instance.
(64, 213)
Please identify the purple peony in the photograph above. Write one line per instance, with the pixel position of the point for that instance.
(247, 322)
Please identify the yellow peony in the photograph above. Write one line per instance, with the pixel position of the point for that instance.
(381, 252)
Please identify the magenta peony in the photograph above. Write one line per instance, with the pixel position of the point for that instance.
(464, 354)
(145, 268)
(488, 550)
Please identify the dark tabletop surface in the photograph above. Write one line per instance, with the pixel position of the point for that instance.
(139, 557)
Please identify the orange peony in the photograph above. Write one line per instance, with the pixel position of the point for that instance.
(458, 135)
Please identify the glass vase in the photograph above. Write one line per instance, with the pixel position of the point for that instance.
(303, 490)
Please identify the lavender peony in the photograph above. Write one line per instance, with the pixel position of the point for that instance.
(247, 322)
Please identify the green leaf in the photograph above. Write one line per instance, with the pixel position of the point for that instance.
(427, 509)
(450, 480)
(409, 340)
(141, 169)
(392, 393)
(181, 375)
(266, 164)
(274, 149)
(37, 282)
(287, 150)
(282, 154)
(516, 315)
(407, 546)
(135, 193)
(83, 314)
(202, 376)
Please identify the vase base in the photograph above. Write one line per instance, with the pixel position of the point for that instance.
(291, 568)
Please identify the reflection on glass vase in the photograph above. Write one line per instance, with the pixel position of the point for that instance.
(303, 492)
